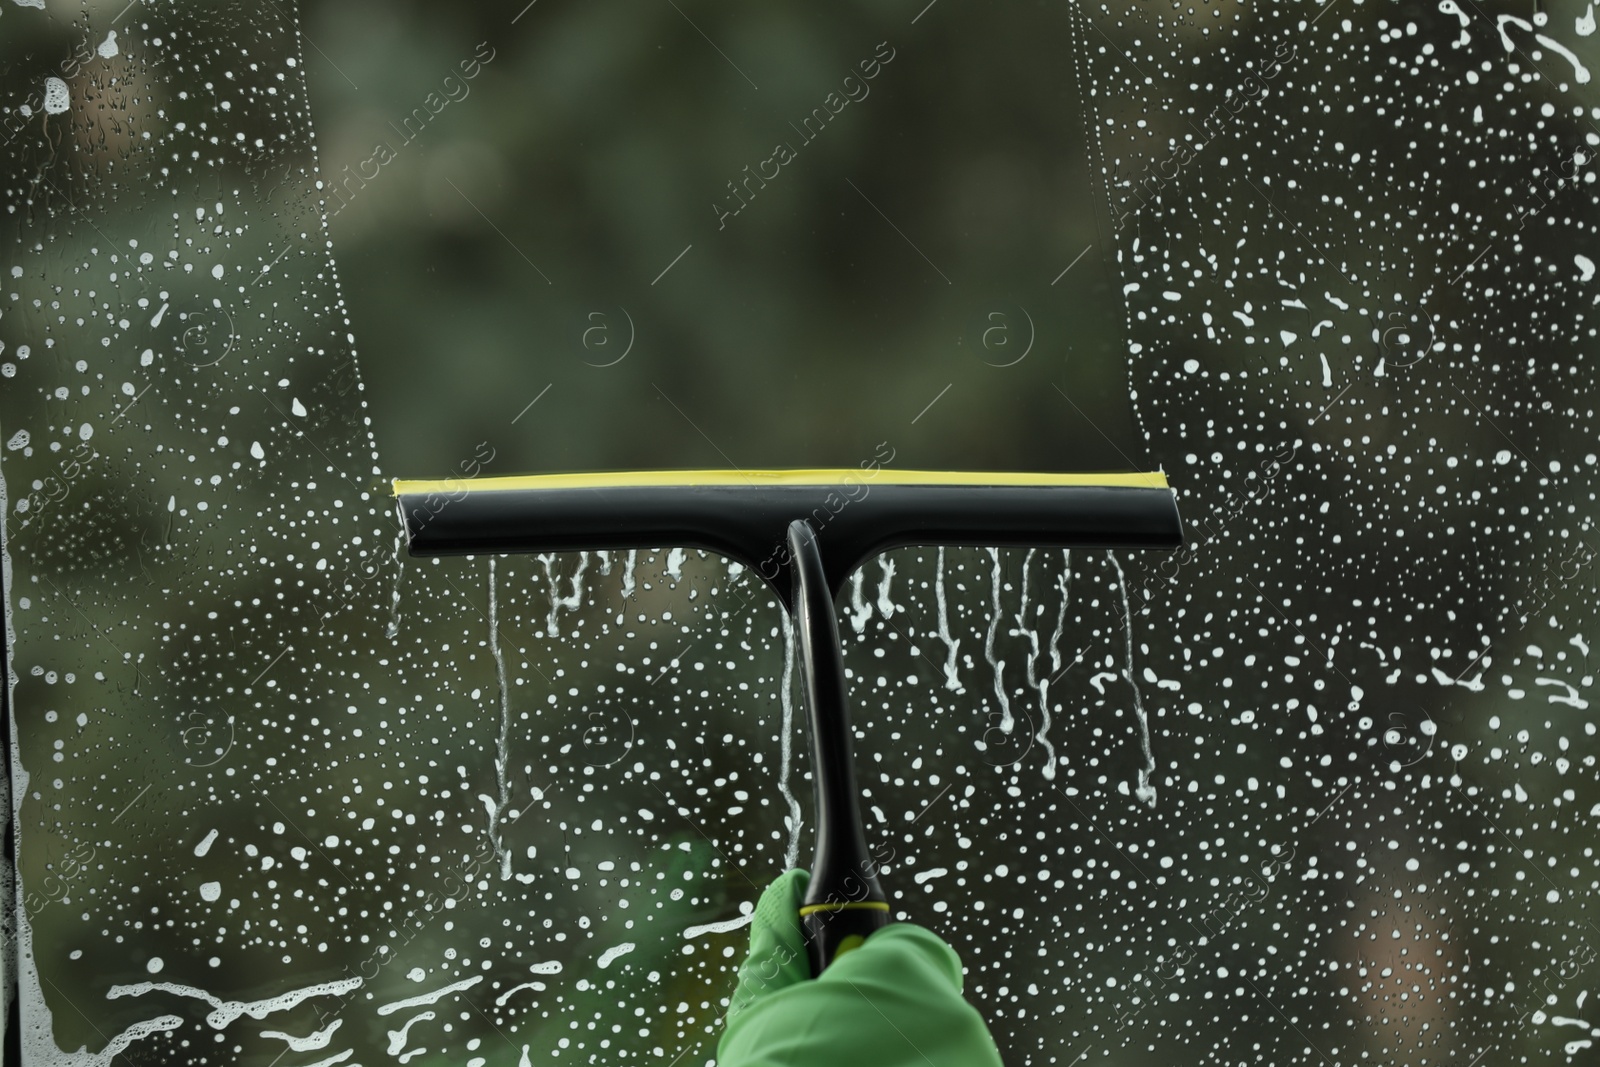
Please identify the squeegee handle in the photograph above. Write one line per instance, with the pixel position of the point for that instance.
(835, 929)
(843, 901)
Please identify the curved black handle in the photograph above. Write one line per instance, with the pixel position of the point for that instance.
(843, 902)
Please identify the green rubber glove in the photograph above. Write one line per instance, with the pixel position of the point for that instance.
(894, 1001)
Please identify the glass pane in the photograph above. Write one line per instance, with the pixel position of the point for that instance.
(1320, 788)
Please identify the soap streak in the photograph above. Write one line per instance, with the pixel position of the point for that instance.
(885, 605)
(502, 742)
(1146, 790)
(1006, 721)
(558, 602)
(1040, 685)
(952, 679)
(860, 610)
(399, 573)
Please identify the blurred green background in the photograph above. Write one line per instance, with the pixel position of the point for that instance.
(915, 248)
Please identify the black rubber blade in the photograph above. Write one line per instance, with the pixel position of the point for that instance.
(746, 515)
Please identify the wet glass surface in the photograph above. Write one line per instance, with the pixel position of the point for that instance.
(1319, 788)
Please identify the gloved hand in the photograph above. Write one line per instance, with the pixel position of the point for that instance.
(893, 1002)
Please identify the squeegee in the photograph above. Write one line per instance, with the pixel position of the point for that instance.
(803, 532)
